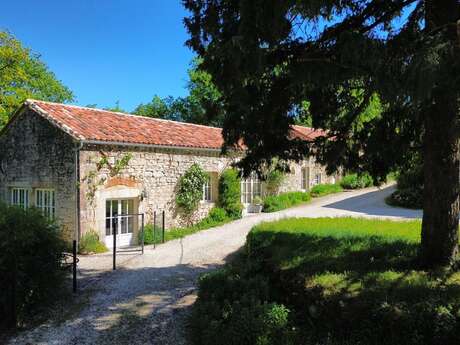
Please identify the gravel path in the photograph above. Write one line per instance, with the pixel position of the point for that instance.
(147, 299)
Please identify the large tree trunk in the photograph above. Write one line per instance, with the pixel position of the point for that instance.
(441, 149)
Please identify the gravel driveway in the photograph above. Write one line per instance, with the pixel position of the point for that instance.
(147, 299)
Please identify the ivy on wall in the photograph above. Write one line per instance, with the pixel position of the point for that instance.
(190, 190)
(92, 178)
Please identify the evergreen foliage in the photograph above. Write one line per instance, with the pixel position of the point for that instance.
(30, 263)
(350, 60)
(230, 193)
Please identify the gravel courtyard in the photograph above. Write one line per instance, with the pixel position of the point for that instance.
(146, 300)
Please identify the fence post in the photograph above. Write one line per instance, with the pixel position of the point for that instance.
(143, 233)
(163, 227)
(154, 229)
(13, 321)
(115, 247)
(74, 265)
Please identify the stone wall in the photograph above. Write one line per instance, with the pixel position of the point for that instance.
(151, 178)
(35, 154)
(293, 181)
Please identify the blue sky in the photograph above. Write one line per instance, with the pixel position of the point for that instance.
(106, 50)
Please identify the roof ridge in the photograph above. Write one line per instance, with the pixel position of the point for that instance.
(32, 101)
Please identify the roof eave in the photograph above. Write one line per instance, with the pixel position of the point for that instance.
(122, 143)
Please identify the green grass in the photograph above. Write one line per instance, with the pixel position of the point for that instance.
(282, 201)
(176, 233)
(273, 203)
(325, 189)
(347, 280)
(90, 244)
(216, 217)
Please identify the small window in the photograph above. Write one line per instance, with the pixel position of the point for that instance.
(46, 202)
(207, 190)
(317, 179)
(305, 178)
(20, 197)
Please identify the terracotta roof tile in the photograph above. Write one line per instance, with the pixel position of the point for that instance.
(90, 124)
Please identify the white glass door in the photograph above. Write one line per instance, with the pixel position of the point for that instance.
(119, 219)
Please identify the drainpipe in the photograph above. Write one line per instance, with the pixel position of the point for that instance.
(78, 147)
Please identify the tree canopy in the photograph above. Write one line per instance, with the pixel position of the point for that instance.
(268, 57)
(22, 76)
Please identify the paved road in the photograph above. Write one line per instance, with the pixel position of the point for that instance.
(146, 300)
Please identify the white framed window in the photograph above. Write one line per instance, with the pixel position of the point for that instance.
(119, 217)
(45, 200)
(305, 183)
(207, 190)
(251, 187)
(317, 179)
(20, 197)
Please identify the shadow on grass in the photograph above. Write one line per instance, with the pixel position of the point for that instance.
(366, 290)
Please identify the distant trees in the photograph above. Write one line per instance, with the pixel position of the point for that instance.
(203, 105)
(23, 75)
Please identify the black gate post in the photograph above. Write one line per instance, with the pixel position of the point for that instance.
(115, 248)
(74, 265)
(143, 234)
(163, 227)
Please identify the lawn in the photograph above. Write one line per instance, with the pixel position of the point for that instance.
(339, 280)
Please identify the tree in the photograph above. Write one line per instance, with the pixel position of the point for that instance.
(115, 108)
(202, 106)
(267, 57)
(163, 108)
(22, 76)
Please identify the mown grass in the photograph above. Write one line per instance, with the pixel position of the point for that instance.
(344, 281)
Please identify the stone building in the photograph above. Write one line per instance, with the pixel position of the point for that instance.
(91, 169)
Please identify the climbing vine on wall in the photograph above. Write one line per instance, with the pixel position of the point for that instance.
(191, 188)
(92, 178)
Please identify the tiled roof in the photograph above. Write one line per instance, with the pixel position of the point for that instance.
(90, 124)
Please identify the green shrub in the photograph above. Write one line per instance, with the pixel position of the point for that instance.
(90, 243)
(335, 281)
(150, 236)
(325, 189)
(408, 198)
(233, 310)
(30, 263)
(190, 190)
(282, 201)
(355, 181)
(217, 214)
(230, 193)
(410, 182)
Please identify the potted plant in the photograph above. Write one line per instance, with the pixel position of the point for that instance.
(257, 205)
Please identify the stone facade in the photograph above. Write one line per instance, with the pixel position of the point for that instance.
(37, 155)
(151, 178)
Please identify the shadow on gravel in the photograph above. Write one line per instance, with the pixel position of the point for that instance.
(146, 305)
(373, 204)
